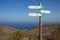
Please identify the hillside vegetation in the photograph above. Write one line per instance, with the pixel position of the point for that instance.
(50, 32)
(55, 35)
(4, 31)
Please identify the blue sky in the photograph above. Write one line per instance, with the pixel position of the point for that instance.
(17, 10)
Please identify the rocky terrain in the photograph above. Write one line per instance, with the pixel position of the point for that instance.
(4, 31)
(48, 32)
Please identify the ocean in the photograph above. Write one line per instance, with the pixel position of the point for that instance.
(23, 25)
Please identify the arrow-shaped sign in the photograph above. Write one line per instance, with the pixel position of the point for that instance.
(34, 7)
(40, 9)
(45, 11)
(34, 14)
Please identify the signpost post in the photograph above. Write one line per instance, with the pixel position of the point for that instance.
(40, 23)
(41, 11)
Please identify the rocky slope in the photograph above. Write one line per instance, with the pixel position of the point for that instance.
(4, 31)
(34, 32)
(47, 30)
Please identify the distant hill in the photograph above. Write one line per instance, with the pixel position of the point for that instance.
(4, 31)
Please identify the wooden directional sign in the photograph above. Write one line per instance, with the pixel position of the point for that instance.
(34, 7)
(40, 8)
(34, 14)
(40, 13)
(45, 11)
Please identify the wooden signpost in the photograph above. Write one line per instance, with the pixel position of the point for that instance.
(40, 14)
